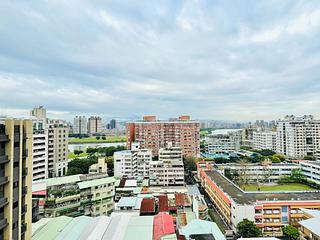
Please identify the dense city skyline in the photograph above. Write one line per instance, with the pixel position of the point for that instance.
(224, 60)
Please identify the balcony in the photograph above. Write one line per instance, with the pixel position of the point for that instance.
(24, 172)
(16, 137)
(3, 223)
(24, 190)
(3, 180)
(4, 159)
(23, 228)
(4, 137)
(24, 209)
(3, 201)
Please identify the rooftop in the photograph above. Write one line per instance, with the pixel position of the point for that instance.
(202, 227)
(312, 224)
(242, 197)
(96, 182)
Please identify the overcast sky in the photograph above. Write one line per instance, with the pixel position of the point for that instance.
(232, 60)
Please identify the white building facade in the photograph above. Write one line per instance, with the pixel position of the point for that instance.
(223, 141)
(298, 136)
(80, 125)
(132, 163)
(265, 140)
(169, 169)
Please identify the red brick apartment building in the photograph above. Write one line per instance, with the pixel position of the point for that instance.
(154, 134)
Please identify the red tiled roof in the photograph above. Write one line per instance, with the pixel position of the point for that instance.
(147, 205)
(179, 199)
(163, 203)
(162, 225)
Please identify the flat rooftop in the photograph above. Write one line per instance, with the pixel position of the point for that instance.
(242, 197)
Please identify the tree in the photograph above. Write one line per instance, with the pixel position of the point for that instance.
(308, 157)
(77, 152)
(104, 138)
(247, 229)
(290, 232)
(80, 166)
(281, 157)
(97, 137)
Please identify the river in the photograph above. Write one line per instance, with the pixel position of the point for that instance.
(84, 146)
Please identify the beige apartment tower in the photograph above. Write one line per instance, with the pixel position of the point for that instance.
(15, 179)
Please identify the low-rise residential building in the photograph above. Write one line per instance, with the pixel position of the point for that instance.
(100, 167)
(169, 169)
(265, 140)
(270, 211)
(90, 195)
(223, 141)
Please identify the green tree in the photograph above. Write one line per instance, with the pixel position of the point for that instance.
(290, 232)
(281, 157)
(97, 137)
(80, 166)
(77, 152)
(247, 229)
(104, 138)
(310, 158)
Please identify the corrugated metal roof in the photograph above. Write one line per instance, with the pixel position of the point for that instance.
(179, 197)
(139, 228)
(74, 229)
(313, 224)
(147, 205)
(197, 226)
(163, 203)
(96, 182)
(52, 229)
(162, 225)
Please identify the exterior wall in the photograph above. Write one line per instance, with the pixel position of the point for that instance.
(223, 142)
(16, 180)
(298, 137)
(95, 125)
(265, 140)
(311, 170)
(58, 132)
(100, 167)
(132, 163)
(40, 151)
(80, 125)
(169, 169)
(156, 134)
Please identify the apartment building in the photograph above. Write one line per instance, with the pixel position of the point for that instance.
(15, 179)
(80, 125)
(223, 141)
(131, 163)
(40, 150)
(58, 132)
(298, 136)
(153, 134)
(39, 113)
(90, 195)
(265, 140)
(95, 125)
(311, 170)
(169, 169)
(270, 211)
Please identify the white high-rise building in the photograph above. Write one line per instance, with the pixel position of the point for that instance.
(58, 132)
(265, 140)
(298, 136)
(95, 125)
(169, 169)
(80, 125)
(39, 150)
(223, 141)
(132, 163)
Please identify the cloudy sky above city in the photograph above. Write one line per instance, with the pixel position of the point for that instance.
(231, 60)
